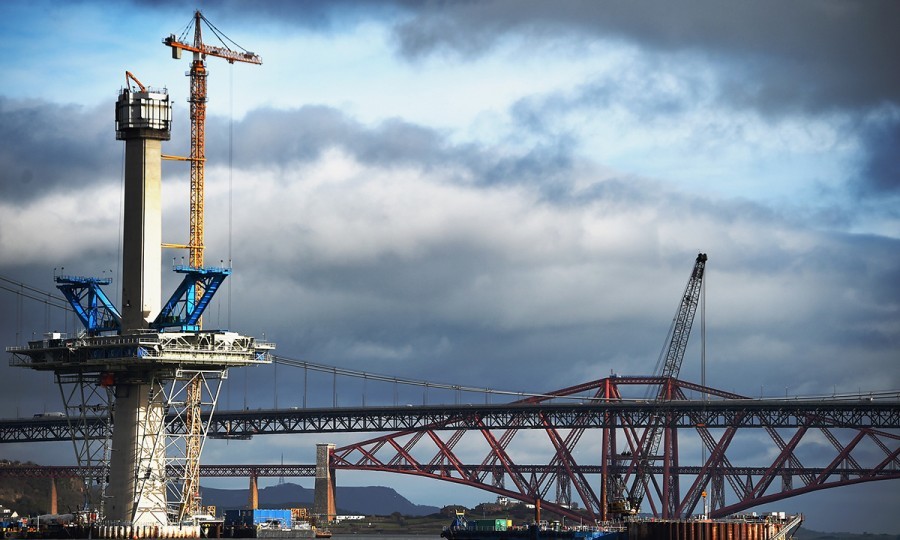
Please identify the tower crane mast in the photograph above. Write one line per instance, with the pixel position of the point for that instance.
(677, 341)
(195, 246)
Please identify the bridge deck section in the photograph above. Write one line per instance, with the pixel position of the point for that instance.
(749, 413)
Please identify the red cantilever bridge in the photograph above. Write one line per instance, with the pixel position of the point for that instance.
(846, 449)
(574, 446)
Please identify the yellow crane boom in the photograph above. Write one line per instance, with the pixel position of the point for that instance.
(193, 422)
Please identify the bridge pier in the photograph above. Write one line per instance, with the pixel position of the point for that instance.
(137, 468)
(54, 498)
(253, 503)
(323, 501)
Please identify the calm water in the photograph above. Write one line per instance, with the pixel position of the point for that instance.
(435, 536)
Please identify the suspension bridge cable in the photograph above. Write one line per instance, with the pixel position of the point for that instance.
(42, 299)
(33, 289)
(368, 376)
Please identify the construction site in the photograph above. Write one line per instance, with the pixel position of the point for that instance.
(141, 384)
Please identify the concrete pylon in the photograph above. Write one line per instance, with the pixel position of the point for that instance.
(323, 501)
(143, 121)
(253, 502)
(137, 489)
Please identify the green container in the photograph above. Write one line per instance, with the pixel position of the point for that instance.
(490, 524)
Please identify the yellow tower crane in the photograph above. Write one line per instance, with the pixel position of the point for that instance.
(195, 246)
(197, 100)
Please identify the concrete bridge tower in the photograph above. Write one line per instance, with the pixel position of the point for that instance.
(147, 363)
(143, 121)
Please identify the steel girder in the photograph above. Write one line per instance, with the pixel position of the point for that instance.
(309, 470)
(736, 413)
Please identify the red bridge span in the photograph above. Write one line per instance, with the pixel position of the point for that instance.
(577, 449)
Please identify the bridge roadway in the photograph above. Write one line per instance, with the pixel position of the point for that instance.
(738, 413)
(309, 471)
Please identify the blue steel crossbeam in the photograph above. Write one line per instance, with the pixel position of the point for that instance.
(183, 310)
(90, 303)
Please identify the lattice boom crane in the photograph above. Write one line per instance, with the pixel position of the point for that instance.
(677, 341)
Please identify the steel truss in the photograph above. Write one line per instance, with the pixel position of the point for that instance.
(84, 401)
(188, 400)
(858, 412)
(858, 454)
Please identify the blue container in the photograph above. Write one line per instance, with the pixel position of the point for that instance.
(251, 518)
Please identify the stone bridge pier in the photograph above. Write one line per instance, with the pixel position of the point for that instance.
(323, 502)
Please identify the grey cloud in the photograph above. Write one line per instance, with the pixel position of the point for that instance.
(637, 90)
(279, 138)
(772, 55)
(48, 146)
(319, 15)
(880, 170)
(811, 55)
(396, 297)
(650, 101)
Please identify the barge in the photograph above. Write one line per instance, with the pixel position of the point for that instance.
(774, 526)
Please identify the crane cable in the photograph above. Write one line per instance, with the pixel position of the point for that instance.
(230, 184)
(186, 34)
(221, 35)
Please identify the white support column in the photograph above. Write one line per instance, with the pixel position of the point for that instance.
(142, 246)
(137, 490)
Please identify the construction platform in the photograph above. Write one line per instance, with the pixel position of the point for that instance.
(126, 355)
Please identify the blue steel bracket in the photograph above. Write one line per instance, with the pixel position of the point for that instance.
(183, 310)
(90, 303)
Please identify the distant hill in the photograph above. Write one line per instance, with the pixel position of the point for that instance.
(374, 500)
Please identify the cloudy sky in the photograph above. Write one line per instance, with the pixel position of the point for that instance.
(504, 194)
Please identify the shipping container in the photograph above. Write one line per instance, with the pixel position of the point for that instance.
(250, 518)
(488, 524)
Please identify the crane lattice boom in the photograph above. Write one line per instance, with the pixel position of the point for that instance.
(674, 355)
(681, 330)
